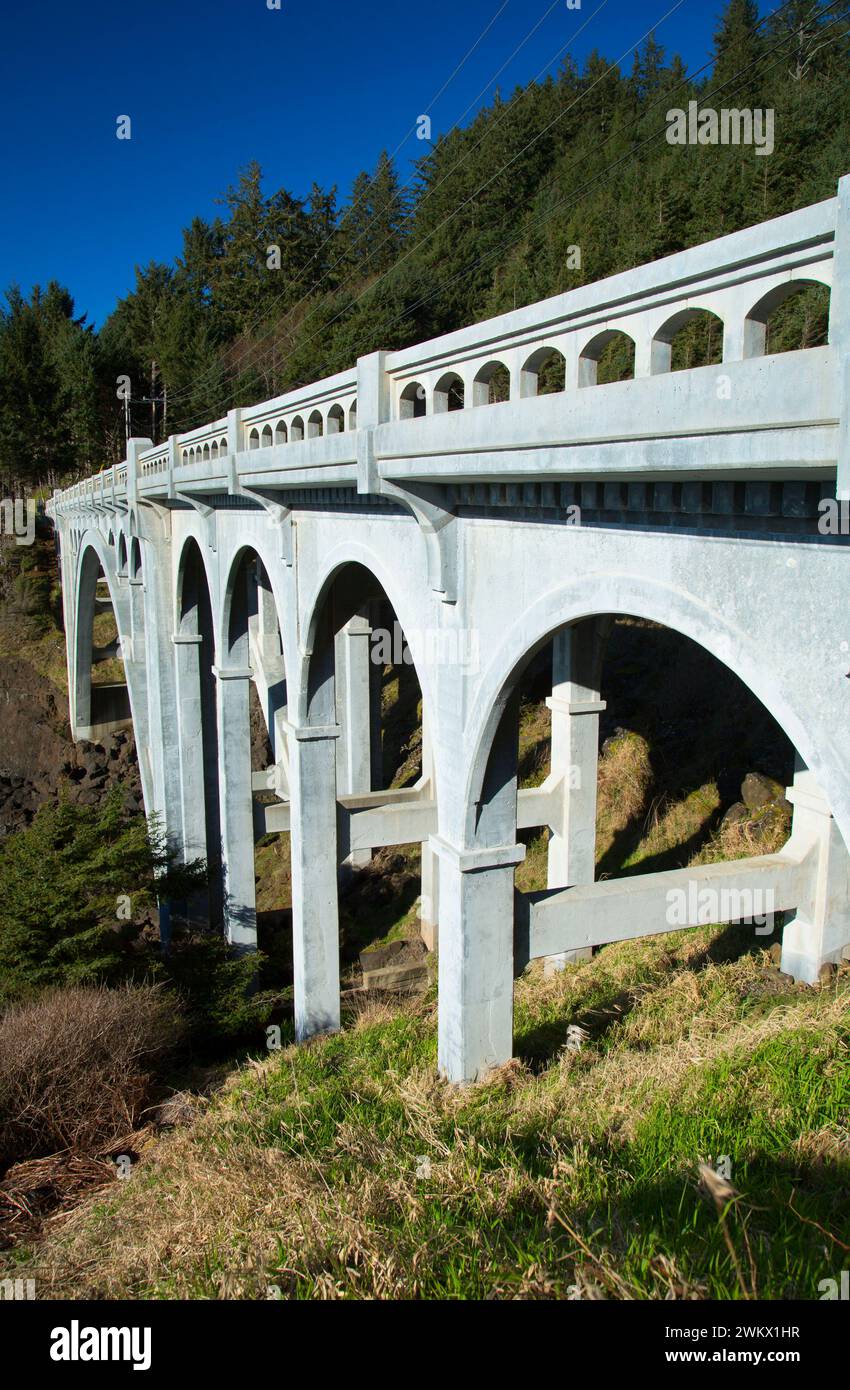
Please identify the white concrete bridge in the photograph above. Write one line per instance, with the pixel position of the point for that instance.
(264, 547)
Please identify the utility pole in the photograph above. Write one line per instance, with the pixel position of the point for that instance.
(153, 401)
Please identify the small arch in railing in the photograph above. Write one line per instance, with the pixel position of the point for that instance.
(206, 453)
(296, 430)
(315, 425)
(492, 384)
(222, 447)
(336, 420)
(413, 401)
(352, 416)
(254, 439)
(544, 373)
(214, 449)
(280, 433)
(267, 438)
(448, 393)
(609, 356)
(689, 338)
(789, 317)
(184, 456)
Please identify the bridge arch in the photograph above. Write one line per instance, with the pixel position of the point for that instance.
(613, 347)
(413, 401)
(544, 372)
(491, 384)
(95, 561)
(676, 340)
(315, 425)
(757, 323)
(449, 393)
(296, 430)
(336, 420)
(599, 595)
(266, 439)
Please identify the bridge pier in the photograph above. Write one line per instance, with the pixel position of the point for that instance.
(352, 645)
(476, 959)
(315, 910)
(575, 708)
(820, 928)
(237, 805)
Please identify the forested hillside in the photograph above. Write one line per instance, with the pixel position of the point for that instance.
(487, 220)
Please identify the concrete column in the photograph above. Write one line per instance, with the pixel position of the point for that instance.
(476, 965)
(353, 709)
(315, 913)
(575, 707)
(187, 657)
(429, 905)
(237, 809)
(820, 929)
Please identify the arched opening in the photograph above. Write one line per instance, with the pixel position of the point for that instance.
(195, 658)
(352, 416)
(102, 697)
(413, 402)
(214, 449)
(448, 393)
(266, 437)
(602, 767)
(280, 434)
(254, 439)
(122, 554)
(610, 356)
(206, 453)
(791, 316)
(492, 384)
(222, 447)
(135, 568)
(371, 788)
(544, 373)
(296, 430)
(336, 420)
(691, 338)
(315, 425)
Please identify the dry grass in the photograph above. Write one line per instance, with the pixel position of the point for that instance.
(77, 1067)
(307, 1173)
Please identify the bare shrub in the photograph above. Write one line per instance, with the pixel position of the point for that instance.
(77, 1067)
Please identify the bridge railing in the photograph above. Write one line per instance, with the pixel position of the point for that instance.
(740, 278)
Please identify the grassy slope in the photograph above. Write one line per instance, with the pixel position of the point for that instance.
(346, 1169)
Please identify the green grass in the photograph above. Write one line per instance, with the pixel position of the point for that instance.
(347, 1169)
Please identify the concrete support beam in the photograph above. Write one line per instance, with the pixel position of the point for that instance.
(477, 922)
(353, 708)
(187, 661)
(575, 708)
(820, 929)
(237, 811)
(315, 913)
(624, 908)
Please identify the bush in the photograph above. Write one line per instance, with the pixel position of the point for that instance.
(78, 1066)
(61, 881)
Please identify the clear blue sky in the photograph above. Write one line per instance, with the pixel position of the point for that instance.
(312, 91)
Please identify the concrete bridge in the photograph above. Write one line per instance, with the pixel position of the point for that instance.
(267, 546)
